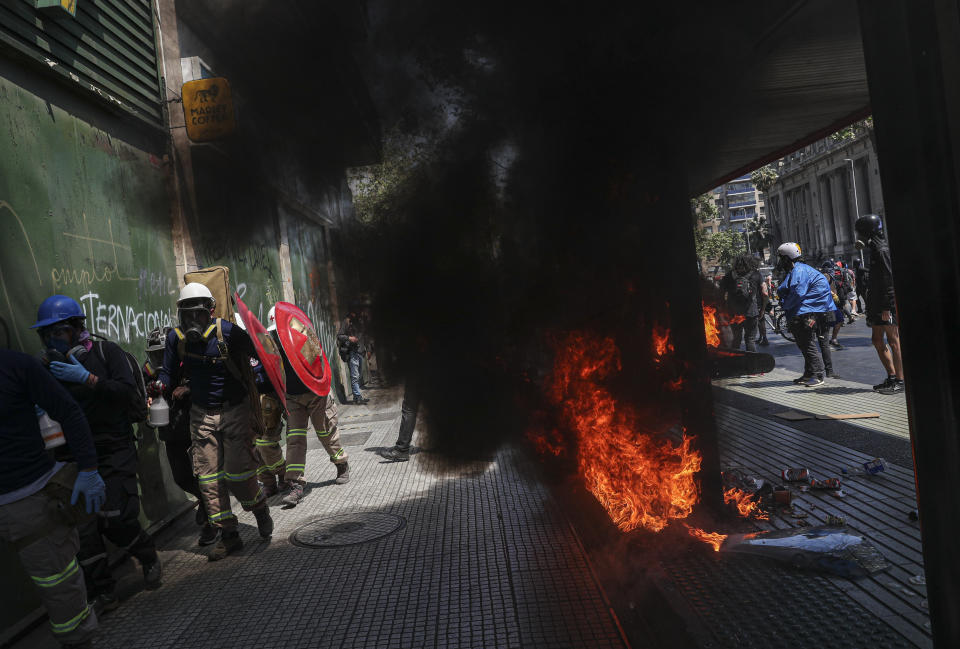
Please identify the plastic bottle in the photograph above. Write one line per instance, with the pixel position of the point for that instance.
(51, 431)
(159, 413)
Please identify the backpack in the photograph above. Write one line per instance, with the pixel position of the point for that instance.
(744, 290)
(242, 372)
(136, 410)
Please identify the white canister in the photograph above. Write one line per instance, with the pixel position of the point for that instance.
(159, 413)
(51, 431)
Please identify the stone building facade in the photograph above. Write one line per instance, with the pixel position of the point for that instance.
(814, 201)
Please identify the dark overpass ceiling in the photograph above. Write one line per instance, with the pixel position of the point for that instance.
(736, 83)
(797, 76)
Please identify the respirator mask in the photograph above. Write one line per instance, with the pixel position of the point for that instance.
(62, 341)
(193, 320)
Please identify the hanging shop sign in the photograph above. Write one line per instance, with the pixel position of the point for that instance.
(208, 109)
(56, 6)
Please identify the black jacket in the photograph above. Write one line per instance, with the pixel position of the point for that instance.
(23, 383)
(735, 303)
(880, 296)
(107, 405)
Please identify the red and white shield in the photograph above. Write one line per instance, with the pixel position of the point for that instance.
(304, 351)
(266, 349)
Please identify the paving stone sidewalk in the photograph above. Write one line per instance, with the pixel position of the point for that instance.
(484, 558)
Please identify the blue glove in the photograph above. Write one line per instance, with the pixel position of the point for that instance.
(90, 484)
(40, 411)
(73, 371)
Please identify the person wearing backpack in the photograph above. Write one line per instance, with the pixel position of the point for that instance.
(176, 435)
(98, 376)
(212, 353)
(741, 293)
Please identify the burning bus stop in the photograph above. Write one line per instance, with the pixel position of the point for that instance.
(553, 304)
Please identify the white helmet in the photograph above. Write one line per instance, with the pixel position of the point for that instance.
(789, 250)
(272, 319)
(195, 290)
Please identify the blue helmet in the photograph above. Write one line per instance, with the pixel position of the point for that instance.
(57, 308)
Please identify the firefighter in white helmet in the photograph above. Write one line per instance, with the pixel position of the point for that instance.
(210, 352)
(302, 405)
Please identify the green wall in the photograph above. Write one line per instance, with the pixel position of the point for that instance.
(85, 213)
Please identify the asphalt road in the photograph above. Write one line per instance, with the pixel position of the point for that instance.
(856, 363)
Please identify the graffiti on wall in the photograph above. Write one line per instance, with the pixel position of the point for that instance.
(121, 321)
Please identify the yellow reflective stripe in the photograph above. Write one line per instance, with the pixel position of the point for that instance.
(222, 515)
(296, 467)
(209, 330)
(323, 433)
(265, 442)
(296, 434)
(210, 477)
(256, 499)
(72, 623)
(59, 578)
(179, 333)
(297, 430)
(336, 455)
(240, 477)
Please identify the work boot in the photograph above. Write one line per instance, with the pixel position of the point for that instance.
(360, 401)
(343, 473)
(895, 387)
(269, 482)
(200, 517)
(294, 495)
(813, 381)
(104, 602)
(152, 574)
(886, 383)
(209, 535)
(229, 543)
(394, 454)
(264, 522)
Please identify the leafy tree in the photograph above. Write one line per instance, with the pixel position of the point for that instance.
(759, 233)
(854, 130)
(721, 247)
(377, 188)
(763, 178)
(703, 209)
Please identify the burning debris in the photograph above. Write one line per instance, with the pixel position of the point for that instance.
(641, 479)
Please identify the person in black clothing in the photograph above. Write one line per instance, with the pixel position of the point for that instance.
(881, 302)
(351, 352)
(97, 375)
(741, 298)
(176, 435)
(39, 497)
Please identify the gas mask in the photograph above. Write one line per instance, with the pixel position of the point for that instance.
(58, 348)
(193, 321)
(859, 245)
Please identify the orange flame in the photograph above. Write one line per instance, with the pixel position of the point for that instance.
(711, 538)
(710, 325)
(735, 319)
(640, 480)
(661, 342)
(676, 384)
(744, 503)
(546, 442)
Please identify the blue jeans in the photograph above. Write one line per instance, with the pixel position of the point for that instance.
(355, 360)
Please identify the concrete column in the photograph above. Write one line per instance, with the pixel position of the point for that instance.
(912, 55)
(179, 160)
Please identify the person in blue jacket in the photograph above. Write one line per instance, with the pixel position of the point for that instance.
(37, 494)
(806, 299)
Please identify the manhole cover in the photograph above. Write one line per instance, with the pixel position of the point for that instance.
(347, 529)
